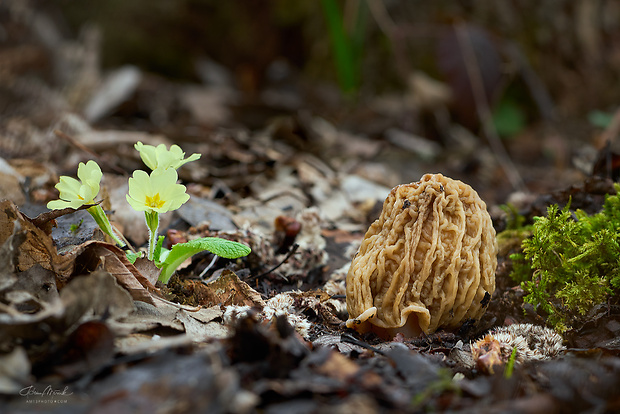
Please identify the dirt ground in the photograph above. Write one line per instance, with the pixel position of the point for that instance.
(295, 162)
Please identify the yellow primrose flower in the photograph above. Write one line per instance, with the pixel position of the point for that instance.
(158, 192)
(74, 193)
(160, 157)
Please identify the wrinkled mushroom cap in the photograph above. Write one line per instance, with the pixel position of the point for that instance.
(427, 262)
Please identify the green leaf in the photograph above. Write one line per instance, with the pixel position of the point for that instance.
(509, 118)
(600, 119)
(131, 256)
(75, 227)
(181, 251)
(347, 49)
(511, 363)
(157, 259)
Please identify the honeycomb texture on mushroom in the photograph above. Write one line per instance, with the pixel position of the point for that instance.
(427, 262)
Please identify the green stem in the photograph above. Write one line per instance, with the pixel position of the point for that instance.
(342, 46)
(152, 222)
(104, 224)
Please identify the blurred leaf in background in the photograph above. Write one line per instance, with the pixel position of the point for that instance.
(600, 119)
(509, 118)
(347, 45)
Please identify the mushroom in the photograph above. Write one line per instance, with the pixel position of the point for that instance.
(428, 261)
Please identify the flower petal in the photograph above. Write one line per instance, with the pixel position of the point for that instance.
(192, 157)
(161, 157)
(140, 185)
(135, 204)
(161, 179)
(58, 204)
(90, 172)
(68, 185)
(148, 153)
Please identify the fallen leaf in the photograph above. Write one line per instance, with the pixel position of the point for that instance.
(44, 221)
(197, 329)
(8, 257)
(148, 269)
(113, 259)
(228, 289)
(92, 296)
(14, 371)
(36, 248)
(89, 347)
(40, 286)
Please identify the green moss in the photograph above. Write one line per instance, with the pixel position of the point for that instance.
(571, 263)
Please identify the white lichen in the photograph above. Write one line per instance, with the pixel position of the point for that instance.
(532, 343)
(280, 304)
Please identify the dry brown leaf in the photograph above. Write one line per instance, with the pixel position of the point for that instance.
(113, 259)
(226, 290)
(37, 248)
(148, 269)
(91, 296)
(100, 292)
(45, 222)
(338, 366)
(10, 188)
(199, 325)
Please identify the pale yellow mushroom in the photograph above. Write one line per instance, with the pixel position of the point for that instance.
(427, 262)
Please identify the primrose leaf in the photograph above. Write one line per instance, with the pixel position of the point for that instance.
(131, 256)
(157, 252)
(181, 251)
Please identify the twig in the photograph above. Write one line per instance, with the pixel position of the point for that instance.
(84, 148)
(351, 340)
(482, 107)
(294, 248)
(75, 143)
(209, 266)
(44, 218)
(537, 89)
(393, 33)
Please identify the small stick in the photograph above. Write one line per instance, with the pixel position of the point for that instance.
(87, 150)
(351, 340)
(75, 143)
(209, 266)
(291, 252)
(482, 106)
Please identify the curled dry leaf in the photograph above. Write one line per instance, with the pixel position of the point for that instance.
(147, 269)
(37, 246)
(228, 289)
(31, 290)
(113, 259)
(91, 296)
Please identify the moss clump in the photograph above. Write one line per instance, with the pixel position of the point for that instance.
(571, 263)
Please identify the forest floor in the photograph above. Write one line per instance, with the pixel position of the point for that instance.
(298, 175)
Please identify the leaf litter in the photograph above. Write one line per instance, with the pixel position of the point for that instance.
(265, 332)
